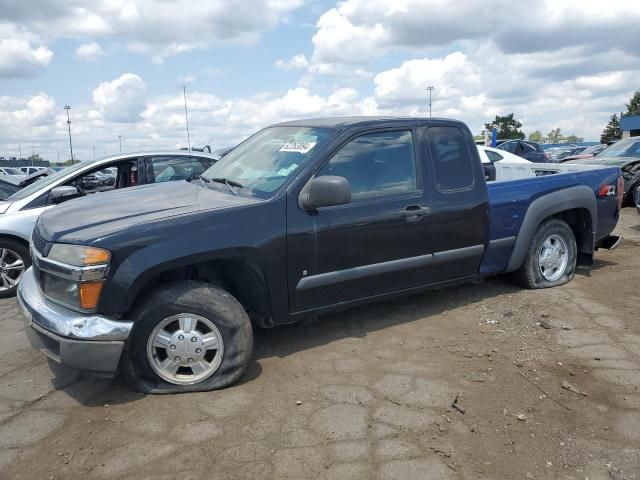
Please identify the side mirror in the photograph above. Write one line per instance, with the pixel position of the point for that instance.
(62, 194)
(326, 191)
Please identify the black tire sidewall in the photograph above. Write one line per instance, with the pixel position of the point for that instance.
(22, 250)
(198, 298)
(551, 227)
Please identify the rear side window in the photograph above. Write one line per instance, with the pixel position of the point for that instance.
(451, 158)
(493, 156)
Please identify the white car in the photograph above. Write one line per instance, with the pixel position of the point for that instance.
(489, 156)
(492, 155)
(19, 212)
(11, 171)
(30, 170)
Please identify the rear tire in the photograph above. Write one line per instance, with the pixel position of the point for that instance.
(187, 337)
(14, 261)
(551, 258)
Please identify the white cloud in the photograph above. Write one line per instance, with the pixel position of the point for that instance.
(297, 62)
(156, 28)
(121, 100)
(89, 52)
(454, 76)
(20, 58)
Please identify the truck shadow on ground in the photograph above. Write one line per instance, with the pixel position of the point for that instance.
(587, 270)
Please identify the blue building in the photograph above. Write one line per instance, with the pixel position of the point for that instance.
(630, 126)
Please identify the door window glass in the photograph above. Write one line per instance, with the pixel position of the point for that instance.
(167, 169)
(451, 159)
(376, 164)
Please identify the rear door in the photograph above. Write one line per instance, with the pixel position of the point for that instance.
(460, 207)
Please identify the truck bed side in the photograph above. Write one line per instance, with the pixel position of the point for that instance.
(510, 200)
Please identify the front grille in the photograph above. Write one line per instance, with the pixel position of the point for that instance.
(39, 243)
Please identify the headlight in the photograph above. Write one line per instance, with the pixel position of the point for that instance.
(76, 279)
(78, 255)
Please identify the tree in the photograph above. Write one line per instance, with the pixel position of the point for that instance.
(554, 136)
(536, 136)
(573, 139)
(507, 126)
(633, 107)
(612, 131)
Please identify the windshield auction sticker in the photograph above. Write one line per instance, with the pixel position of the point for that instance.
(298, 147)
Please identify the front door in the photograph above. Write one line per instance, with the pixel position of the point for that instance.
(378, 243)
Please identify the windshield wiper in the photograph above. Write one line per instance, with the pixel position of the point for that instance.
(229, 183)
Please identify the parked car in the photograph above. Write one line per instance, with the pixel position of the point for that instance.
(569, 153)
(19, 212)
(624, 154)
(488, 156)
(14, 172)
(31, 170)
(525, 149)
(303, 217)
(10, 184)
(589, 152)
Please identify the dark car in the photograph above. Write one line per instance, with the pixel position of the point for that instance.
(626, 155)
(525, 149)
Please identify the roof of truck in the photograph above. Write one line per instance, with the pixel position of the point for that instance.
(338, 122)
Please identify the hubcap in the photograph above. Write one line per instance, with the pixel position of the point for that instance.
(185, 349)
(11, 269)
(553, 258)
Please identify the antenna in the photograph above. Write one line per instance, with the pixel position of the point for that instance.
(186, 115)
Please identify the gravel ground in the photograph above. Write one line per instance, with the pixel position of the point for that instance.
(367, 394)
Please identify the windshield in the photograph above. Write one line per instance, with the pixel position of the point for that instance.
(45, 181)
(262, 163)
(629, 147)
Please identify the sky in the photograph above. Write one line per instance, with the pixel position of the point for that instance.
(122, 64)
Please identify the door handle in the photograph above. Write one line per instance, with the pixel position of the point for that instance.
(415, 212)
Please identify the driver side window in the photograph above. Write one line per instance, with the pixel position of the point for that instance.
(376, 164)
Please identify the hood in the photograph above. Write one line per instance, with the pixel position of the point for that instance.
(101, 214)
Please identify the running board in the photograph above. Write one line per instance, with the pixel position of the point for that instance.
(610, 242)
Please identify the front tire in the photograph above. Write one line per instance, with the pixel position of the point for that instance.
(187, 337)
(551, 258)
(14, 261)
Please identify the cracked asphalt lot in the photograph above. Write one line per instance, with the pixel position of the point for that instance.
(367, 393)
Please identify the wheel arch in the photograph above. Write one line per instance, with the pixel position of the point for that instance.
(575, 205)
(240, 276)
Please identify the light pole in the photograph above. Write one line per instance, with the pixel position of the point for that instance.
(430, 88)
(94, 152)
(120, 140)
(67, 108)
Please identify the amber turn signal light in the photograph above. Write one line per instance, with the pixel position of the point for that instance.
(90, 294)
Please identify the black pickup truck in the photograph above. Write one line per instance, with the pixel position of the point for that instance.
(163, 282)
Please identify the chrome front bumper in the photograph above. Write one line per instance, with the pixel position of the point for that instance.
(86, 342)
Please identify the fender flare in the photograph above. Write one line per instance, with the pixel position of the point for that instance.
(546, 206)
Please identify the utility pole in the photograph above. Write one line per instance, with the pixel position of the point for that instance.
(430, 88)
(67, 108)
(186, 115)
(120, 140)
(58, 150)
(94, 152)
(20, 152)
(33, 154)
